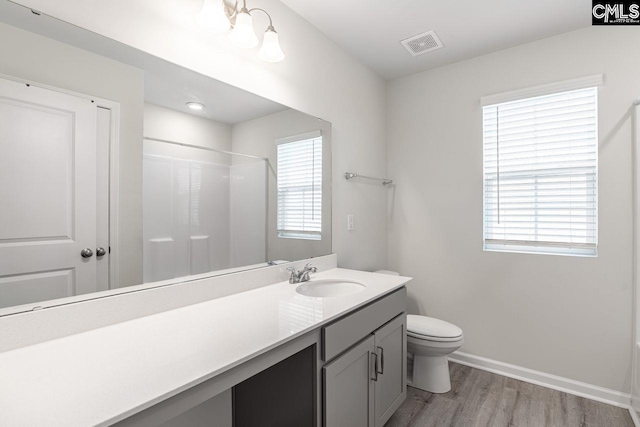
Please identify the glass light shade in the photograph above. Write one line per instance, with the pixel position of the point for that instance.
(243, 35)
(212, 17)
(271, 50)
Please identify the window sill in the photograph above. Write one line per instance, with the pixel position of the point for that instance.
(542, 250)
(300, 236)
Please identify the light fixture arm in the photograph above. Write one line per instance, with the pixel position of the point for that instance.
(244, 7)
(231, 12)
(266, 13)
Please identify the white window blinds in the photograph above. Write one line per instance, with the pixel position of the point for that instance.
(541, 175)
(300, 189)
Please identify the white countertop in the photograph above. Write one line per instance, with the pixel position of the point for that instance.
(95, 377)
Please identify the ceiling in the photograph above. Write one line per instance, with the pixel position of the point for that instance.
(166, 84)
(371, 30)
(174, 86)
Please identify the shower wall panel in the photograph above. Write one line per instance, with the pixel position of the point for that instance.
(186, 217)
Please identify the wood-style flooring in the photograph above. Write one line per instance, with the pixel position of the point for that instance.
(480, 398)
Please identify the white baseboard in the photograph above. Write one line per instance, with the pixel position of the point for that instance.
(634, 417)
(555, 382)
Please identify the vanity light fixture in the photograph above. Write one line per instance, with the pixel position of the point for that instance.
(216, 16)
(195, 106)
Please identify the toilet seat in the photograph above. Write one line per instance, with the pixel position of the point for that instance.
(431, 329)
(420, 338)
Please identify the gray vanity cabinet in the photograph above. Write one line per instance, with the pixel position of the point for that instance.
(349, 390)
(391, 385)
(365, 383)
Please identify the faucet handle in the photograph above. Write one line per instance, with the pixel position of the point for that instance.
(295, 275)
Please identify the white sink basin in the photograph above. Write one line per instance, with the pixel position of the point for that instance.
(329, 288)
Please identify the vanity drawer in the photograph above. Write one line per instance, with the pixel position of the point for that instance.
(342, 334)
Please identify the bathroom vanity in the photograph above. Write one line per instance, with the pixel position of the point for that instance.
(267, 356)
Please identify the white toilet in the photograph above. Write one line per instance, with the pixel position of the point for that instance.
(430, 341)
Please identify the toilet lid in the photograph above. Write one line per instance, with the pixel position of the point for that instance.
(423, 326)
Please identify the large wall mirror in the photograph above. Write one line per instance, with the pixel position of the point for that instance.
(120, 171)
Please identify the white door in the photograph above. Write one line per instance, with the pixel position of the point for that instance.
(47, 194)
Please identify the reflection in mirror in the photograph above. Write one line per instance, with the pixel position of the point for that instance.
(119, 170)
(209, 205)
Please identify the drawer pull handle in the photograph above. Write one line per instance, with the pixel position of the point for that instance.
(375, 367)
(381, 357)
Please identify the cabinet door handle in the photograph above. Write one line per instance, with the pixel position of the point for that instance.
(375, 366)
(381, 357)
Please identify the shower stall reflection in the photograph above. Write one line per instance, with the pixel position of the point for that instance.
(202, 210)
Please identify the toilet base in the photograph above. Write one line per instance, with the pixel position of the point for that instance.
(431, 374)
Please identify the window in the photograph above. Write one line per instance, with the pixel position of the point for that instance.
(541, 174)
(300, 187)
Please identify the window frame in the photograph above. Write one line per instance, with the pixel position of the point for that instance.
(546, 248)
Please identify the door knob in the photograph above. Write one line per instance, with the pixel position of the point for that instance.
(86, 253)
(100, 252)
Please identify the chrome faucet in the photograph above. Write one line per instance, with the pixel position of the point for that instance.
(302, 275)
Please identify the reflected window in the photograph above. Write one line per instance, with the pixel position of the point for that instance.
(300, 187)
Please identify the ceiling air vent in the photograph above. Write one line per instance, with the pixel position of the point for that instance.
(422, 43)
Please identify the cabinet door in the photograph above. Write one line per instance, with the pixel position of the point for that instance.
(391, 386)
(348, 388)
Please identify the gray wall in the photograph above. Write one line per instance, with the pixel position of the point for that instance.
(172, 125)
(29, 56)
(568, 316)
